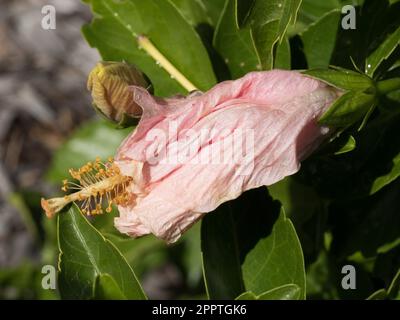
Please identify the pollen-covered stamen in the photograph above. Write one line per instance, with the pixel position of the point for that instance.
(98, 183)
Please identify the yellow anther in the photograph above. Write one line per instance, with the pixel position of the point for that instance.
(100, 184)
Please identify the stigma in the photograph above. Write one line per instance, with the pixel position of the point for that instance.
(97, 186)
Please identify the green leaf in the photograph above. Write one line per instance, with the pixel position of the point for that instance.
(319, 40)
(312, 10)
(347, 147)
(117, 24)
(269, 20)
(341, 78)
(285, 292)
(200, 11)
(393, 292)
(85, 255)
(248, 295)
(235, 44)
(283, 56)
(387, 247)
(380, 294)
(94, 139)
(143, 253)
(382, 52)
(385, 179)
(249, 245)
(348, 109)
(107, 289)
(394, 288)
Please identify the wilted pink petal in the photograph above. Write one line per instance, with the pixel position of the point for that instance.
(262, 125)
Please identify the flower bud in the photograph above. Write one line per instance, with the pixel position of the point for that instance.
(109, 84)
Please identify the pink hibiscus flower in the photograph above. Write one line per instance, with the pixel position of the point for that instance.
(189, 155)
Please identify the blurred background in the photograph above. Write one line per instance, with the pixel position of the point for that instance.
(43, 98)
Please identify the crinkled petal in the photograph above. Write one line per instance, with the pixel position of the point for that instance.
(273, 114)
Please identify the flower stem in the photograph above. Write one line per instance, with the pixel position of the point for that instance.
(146, 44)
(386, 86)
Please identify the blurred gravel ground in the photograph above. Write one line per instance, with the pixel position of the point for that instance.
(43, 98)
